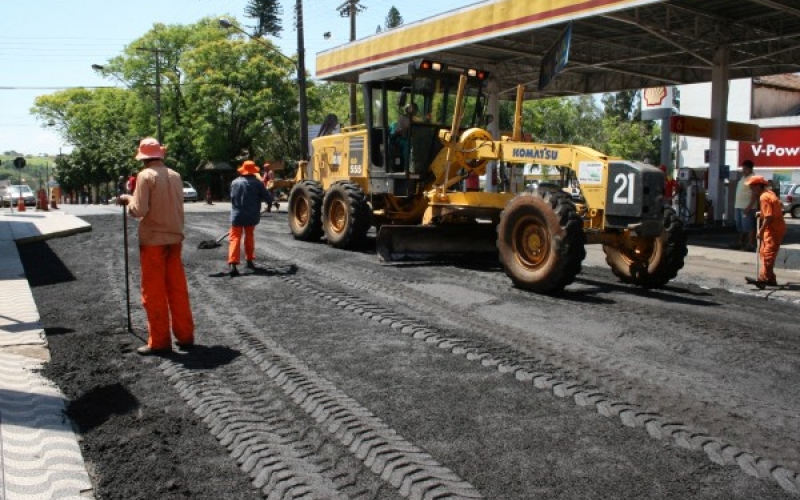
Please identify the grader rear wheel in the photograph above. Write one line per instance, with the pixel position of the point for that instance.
(305, 211)
(541, 242)
(650, 262)
(345, 215)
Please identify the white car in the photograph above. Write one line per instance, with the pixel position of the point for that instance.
(15, 191)
(189, 192)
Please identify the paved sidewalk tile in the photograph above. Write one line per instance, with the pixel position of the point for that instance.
(40, 457)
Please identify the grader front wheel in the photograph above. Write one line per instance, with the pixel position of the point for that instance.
(305, 211)
(346, 216)
(650, 262)
(541, 242)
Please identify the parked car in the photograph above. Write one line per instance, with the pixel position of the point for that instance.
(15, 191)
(189, 192)
(790, 198)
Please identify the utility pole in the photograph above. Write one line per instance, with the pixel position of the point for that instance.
(349, 9)
(301, 81)
(157, 53)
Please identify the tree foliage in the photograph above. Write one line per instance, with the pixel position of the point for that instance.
(267, 14)
(222, 97)
(623, 105)
(579, 120)
(334, 98)
(393, 18)
(96, 122)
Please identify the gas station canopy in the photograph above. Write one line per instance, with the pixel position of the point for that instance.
(614, 44)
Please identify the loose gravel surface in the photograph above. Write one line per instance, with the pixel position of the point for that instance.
(325, 374)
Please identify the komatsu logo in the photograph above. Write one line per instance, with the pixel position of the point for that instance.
(535, 153)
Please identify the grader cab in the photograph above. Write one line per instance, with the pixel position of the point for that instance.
(402, 172)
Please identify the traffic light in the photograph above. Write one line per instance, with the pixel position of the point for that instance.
(19, 162)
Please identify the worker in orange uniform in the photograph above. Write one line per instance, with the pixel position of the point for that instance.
(247, 193)
(268, 176)
(771, 230)
(158, 204)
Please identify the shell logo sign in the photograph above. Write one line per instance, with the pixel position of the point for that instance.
(778, 147)
(654, 96)
(656, 103)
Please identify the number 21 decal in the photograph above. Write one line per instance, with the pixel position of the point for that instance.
(624, 193)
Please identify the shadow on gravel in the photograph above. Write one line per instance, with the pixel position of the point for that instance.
(52, 332)
(584, 296)
(204, 357)
(42, 266)
(287, 270)
(94, 408)
(666, 294)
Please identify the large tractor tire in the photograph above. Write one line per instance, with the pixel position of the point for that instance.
(541, 241)
(346, 216)
(650, 262)
(305, 211)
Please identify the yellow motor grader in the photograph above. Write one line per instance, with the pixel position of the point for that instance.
(403, 171)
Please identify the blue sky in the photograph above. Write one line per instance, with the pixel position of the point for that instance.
(48, 45)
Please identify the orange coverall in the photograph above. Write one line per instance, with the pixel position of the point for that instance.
(158, 202)
(773, 234)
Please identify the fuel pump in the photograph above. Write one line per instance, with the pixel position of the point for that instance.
(690, 202)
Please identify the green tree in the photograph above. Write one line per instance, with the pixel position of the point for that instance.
(623, 105)
(393, 18)
(267, 14)
(243, 101)
(220, 96)
(168, 46)
(626, 134)
(97, 123)
(334, 99)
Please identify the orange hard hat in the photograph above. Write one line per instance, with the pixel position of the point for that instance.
(248, 168)
(149, 149)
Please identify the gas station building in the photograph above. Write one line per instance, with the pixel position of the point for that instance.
(772, 103)
(610, 46)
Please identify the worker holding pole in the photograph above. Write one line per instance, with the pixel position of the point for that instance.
(770, 233)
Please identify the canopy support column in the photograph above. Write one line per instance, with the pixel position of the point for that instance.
(719, 115)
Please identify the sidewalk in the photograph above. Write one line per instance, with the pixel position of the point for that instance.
(40, 457)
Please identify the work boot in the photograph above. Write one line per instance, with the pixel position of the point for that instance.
(188, 346)
(250, 265)
(760, 284)
(146, 350)
(233, 271)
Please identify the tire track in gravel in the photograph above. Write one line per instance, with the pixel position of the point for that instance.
(553, 373)
(354, 441)
(650, 387)
(561, 385)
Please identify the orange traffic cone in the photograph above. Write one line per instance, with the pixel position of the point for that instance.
(20, 205)
(42, 200)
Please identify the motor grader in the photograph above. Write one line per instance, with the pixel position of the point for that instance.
(408, 188)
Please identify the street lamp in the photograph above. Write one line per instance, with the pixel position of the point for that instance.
(299, 67)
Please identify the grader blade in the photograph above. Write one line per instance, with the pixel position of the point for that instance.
(455, 242)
